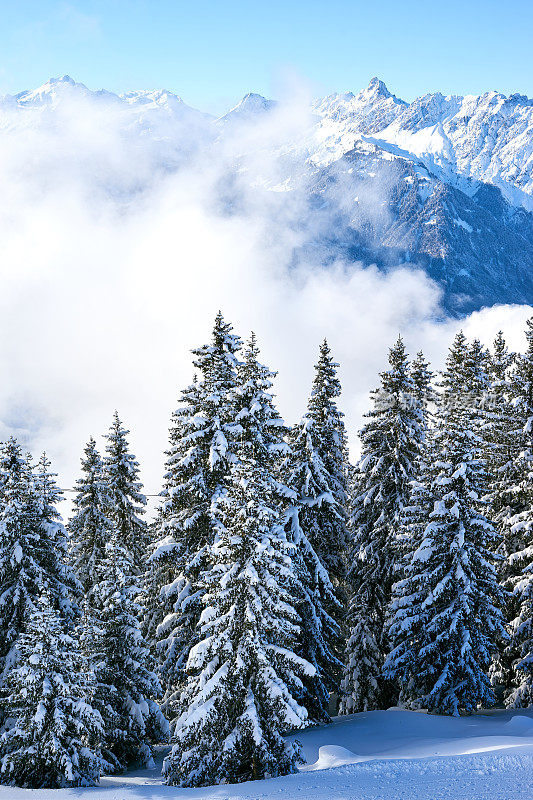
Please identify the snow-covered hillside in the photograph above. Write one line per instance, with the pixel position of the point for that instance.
(445, 183)
(382, 755)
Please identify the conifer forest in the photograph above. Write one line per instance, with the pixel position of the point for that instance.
(277, 584)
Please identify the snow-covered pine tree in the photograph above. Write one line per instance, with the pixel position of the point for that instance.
(426, 397)
(170, 549)
(477, 362)
(126, 685)
(411, 525)
(502, 434)
(30, 562)
(518, 532)
(48, 497)
(51, 742)
(422, 377)
(502, 442)
(391, 444)
(244, 673)
(361, 683)
(316, 470)
(202, 443)
(521, 692)
(406, 615)
(126, 501)
(447, 619)
(90, 526)
(317, 603)
(323, 445)
(477, 365)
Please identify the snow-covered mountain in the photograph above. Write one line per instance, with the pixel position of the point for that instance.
(251, 106)
(160, 111)
(443, 182)
(486, 138)
(473, 243)
(60, 90)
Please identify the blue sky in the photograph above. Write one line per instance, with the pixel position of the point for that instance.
(211, 52)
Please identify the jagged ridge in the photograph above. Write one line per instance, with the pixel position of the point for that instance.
(454, 175)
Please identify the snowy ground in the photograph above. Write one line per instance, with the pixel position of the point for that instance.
(383, 755)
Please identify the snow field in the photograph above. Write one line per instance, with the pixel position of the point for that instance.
(380, 755)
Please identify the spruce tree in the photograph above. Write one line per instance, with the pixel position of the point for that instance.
(521, 693)
(30, 561)
(126, 501)
(244, 673)
(425, 399)
(465, 385)
(172, 571)
(502, 444)
(518, 533)
(478, 364)
(321, 438)
(316, 523)
(51, 741)
(446, 609)
(361, 683)
(422, 377)
(90, 527)
(406, 618)
(391, 444)
(48, 497)
(502, 432)
(126, 685)
(202, 443)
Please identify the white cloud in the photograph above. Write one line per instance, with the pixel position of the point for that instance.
(111, 270)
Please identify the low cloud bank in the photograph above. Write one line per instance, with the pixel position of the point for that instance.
(112, 267)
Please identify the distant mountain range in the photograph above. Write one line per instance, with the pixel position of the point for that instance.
(445, 183)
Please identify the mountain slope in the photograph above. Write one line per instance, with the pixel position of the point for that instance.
(487, 138)
(476, 246)
(443, 183)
